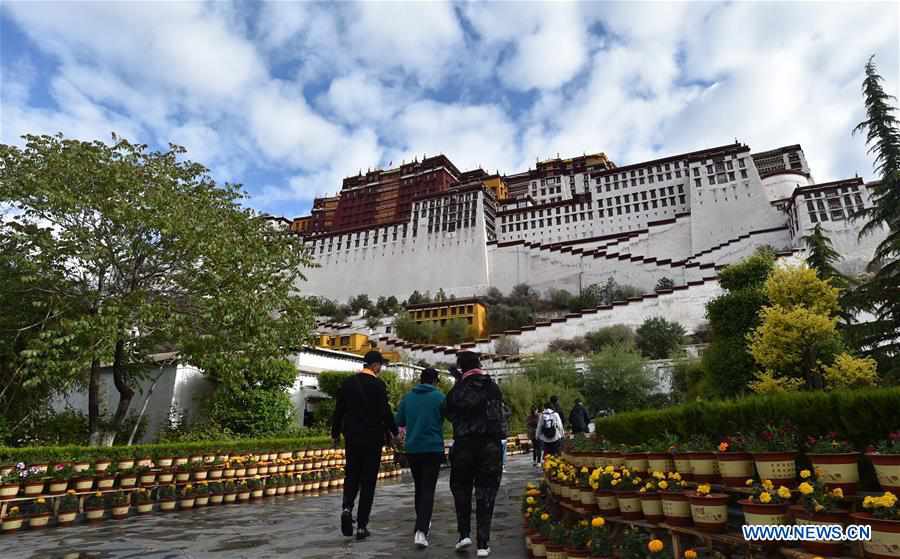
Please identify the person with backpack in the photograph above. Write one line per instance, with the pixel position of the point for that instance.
(579, 418)
(550, 431)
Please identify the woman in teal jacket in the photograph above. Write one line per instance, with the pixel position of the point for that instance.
(420, 412)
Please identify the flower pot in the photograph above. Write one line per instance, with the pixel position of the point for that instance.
(200, 475)
(79, 467)
(676, 509)
(11, 525)
(33, 488)
(660, 462)
(128, 481)
(251, 471)
(735, 468)
(183, 477)
(885, 542)
(66, 518)
(148, 479)
(709, 512)
(588, 501)
(240, 472)
(704, 467)
(144, 508)
(167, 505)
(186, 504)
(636, 461)
(165, 477)
(144, 463)
(107, 482)
(9, 491)
(39, 521)
(779, 467)
(555, 551)
(759, 513)
(630, 505)
(165, 462)
(538, 546)
(244, 495)
(180, 461)
(607, 504)
(215, 499)
(683, 465)
(197, 458)
(202, 501)
(271, 491)
(101, 465)
(216, 473)
(119, 513)
(651, 506)
(125, 464)
(887, 468)
(281, 491)
(94, 515)
(291, 489)
(229, 498)
(577, 554)
(58, 486)
(837, 470)
(256, 493)
(616, 459)
(822, 548)
(83, 483)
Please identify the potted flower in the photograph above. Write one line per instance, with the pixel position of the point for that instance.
(164, 459)
(709, 510)
(9, 482)
(106, 479)
(180, 460)
(183, 472)
(252, 466)
(556, 542)
(243, 491)
(604, 496)
(766, 505)
(40, 513)
(231, 491)
(659, 457)
(835, 462)
(142, 459)
(187, 497)
(704, 465)
(774, 452)
(293, 482)
(626, 488)
(675, 505)
(586, 503)
(600, 547)
(101, 464)
(636, 458)
(201, 491)
(145, 475)
(651, 501)
(886, 459)
(125, 463)
(128, 478)
(80, 465)
(216, 493)
(539, 526)
(83, 480)
(143, 501)
(94, 507)
(120, 503)
(59, 478)
(68, 509)
(884, 517)
(270, 486)
(32, 481)
(166, 495)
(682, 461)
(577, 544)
(257, 487)
(735, 463)
(12, 521)
(819, 504)
(199, 470)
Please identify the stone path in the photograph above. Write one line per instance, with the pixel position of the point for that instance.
(291, 526)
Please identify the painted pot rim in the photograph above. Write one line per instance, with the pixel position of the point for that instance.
(733, 456)
(834, 458)
(892, 526)
(834, 517)
(775, 456)
(763, 508)
(713, 499)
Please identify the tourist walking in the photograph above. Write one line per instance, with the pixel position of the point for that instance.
(556, 406)
(363, 414)
(579, 418)
(420, 411)
(532, 424)
(550, 431)
(475, 408)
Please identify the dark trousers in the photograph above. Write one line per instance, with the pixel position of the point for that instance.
(363, 461)
(425, 468)
(552, 448)
(475, 462)
(536, 450)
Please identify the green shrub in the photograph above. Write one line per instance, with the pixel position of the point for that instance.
(862, 416)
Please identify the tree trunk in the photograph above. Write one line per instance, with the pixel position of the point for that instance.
(144, 407)
(94, 402)
(126, 393)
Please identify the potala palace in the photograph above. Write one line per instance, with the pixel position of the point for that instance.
(570, 223)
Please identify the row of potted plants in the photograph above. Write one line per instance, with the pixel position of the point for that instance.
(770, 454)
(98, 505)
(667, 497)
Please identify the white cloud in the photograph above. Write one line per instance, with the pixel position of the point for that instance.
(358, 98)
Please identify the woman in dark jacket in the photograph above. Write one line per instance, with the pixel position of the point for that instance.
(532, 424)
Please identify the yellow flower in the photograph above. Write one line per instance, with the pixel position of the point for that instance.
(13, 510)
(655, 546)
(659, 475)
(530, 510)
(805, 488)
(531, 486)
(838, 492)
(598, 522)
(804, 474)
(767, 483)
(704, 489)
(98, 494)
(676, 476)
(664, 484)
(616, 475)
(584, 470)
(583, 523)
(748, 483)
(530, 500)
(764, 497)
(784, 492)
(690, 553)
(545, 517)
(615, 482)
(41, 500)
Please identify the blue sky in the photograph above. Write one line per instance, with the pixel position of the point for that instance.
(287, 98)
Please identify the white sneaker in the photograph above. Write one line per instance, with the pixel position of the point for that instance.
(484, 552)
(463, 544)
(420, 539)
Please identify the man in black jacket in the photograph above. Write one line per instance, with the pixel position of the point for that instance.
(363, 414)
(475, 408)
(579, 418)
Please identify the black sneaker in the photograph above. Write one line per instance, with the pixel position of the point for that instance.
(347, 523)
(363, 533)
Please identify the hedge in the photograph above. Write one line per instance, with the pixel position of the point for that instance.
(42, 454)
(863, 416)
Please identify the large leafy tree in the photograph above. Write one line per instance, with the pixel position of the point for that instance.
(657, 338)
(147, 254)
(617, 380)
(880, 295)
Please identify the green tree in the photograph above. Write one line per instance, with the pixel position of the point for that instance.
(553, 368)
(880, 295)
(454, 332)
(822, 257)
(617, 380)
(657, 338)
(360, 303)
(617, 334)
(155, 256)
(664, 283)
(559, 299)
(732, 315)
(255, 402)
(417, 299)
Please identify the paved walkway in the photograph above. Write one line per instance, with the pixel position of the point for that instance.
(291, 526)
